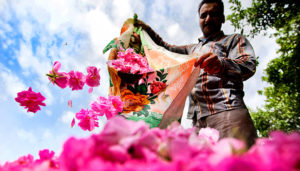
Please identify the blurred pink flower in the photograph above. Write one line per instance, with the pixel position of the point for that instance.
(129, 145)
(77, 153)
(101, 106)
(109, 107)
(212, 135)
(232, 163)
(93, 76)
(46, 154)
(225, 148)
(278, 152)
(47, 160)
(175, 151)
(76, 80)
(19, 164)
(87, 120)
(119, 130)
(61, 79)
(25, 160)
(117, 105)
(30, 100)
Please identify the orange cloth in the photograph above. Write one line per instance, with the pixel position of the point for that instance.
(157, 97)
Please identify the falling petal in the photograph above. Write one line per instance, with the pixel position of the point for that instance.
(73, 123)
(70, 103)
(90, 90)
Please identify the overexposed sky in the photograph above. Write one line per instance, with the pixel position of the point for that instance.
(35, 33)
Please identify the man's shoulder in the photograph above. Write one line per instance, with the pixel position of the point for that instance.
(234, 38)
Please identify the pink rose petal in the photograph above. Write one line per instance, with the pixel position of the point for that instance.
(73, 123)
(90, 90)
(70, 103)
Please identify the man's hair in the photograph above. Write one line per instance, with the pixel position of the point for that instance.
(219, 2)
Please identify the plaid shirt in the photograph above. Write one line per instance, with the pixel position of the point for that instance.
(217, 93)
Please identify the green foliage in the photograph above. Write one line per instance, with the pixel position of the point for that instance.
(282, 109)
(264, 14)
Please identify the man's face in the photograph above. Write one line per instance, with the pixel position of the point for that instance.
(210, 19)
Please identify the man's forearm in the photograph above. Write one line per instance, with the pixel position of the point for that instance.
(159, 41)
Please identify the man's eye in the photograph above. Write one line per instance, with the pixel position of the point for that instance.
(203, 15)
(214, 14)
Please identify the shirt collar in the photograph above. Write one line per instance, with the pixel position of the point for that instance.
(214, 37)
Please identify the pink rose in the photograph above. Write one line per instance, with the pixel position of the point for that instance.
(109, 107)
(76, 80)
(93, 77)
(87, 120)
(116, 104)
(30, 100)
(61, 79)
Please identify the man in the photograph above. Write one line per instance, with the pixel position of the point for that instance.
(216, 101)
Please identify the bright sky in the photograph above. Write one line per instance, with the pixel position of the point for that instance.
(34, 34)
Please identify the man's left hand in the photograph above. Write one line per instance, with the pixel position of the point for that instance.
(210, 63)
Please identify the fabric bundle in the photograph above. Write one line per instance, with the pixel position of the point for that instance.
(152, 82)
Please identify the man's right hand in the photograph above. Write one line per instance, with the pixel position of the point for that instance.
(210, 63)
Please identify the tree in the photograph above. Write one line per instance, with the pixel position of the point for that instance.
(282, 108)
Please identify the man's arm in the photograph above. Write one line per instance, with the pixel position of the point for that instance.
(159, 41)
(240, 62)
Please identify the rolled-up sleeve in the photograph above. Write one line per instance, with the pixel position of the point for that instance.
(241, 60)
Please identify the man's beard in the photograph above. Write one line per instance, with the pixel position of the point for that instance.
(210, 28)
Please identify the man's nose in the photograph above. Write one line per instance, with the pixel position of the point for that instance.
(208, 18)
